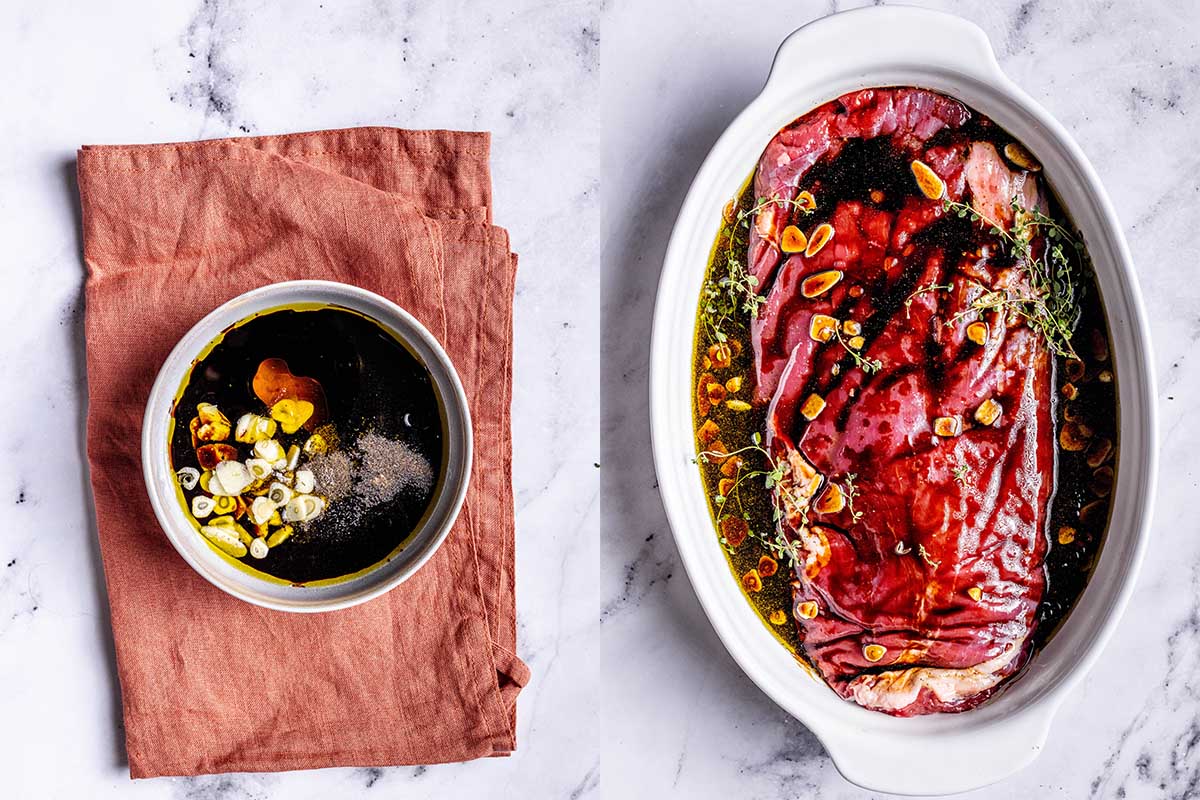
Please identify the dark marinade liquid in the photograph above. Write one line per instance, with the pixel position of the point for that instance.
(372, 384)
(873, 164)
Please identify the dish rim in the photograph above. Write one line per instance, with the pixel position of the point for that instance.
(374, 580)
(863, 43)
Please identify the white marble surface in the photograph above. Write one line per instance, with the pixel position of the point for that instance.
(78, 73)
(1123, 77)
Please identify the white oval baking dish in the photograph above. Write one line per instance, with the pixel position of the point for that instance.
(226, 573)
(935, 754)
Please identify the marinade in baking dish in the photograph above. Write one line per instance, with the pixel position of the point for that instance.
(905, 406)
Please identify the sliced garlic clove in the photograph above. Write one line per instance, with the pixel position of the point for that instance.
(188, 477)
(305, 482)
(793, 240)
(212, 484)
(233, 477)
(820, 237)
(820, 283)
(812, 406)
(210, 425)
(988, 412)
(269, 450)
(930, 183)
(242, 430)
(977, 332)
(259, 467)
(202, 506)
(224, 537)
(303, 508)
(1018, 155)
(253, 428)
(279, 494)
(947, 426)
(293, 457)
(261, 510)
(832, 501)
(259, 549)
(822, 327)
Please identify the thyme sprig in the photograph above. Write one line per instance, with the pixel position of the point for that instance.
(851, 492)
(735, 294)
(771, 474)
(962, 474)
(925, 288)
(867, 365)
(1050, 305)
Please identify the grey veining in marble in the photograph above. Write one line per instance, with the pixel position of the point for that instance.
(1122, 77)
(145, 71)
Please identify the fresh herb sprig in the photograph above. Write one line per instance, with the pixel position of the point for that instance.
(1050, 304)
(851, 493)
(962, 474)
(734, 295)
(771, 473)
(867, 365)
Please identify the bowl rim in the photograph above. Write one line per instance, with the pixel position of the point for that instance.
(845, 51)
(445, 504)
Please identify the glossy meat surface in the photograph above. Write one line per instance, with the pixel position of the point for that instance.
(926, 581)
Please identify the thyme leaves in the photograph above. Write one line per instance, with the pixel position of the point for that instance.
(1050, 301)
(734, 296)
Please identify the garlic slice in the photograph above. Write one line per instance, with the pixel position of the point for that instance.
(213, 486)
(233, 477)
(269, 450)
(258, 548)
(303, 508)
(261, 510)
(188, 477)
(224, 537)
(305, 482)
(202, 506)
(253, 428)
(279, 494)
(259, 467)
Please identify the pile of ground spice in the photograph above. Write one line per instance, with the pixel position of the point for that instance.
(371, 471)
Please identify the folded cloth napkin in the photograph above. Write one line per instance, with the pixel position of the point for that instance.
(426, 673)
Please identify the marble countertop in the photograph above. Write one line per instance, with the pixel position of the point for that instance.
(1122, 77)
(78, 73)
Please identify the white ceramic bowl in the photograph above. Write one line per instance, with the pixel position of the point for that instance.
(225, 572)
(940, 753)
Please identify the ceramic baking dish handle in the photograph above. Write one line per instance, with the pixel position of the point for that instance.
(898, 763)
(900, 36)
